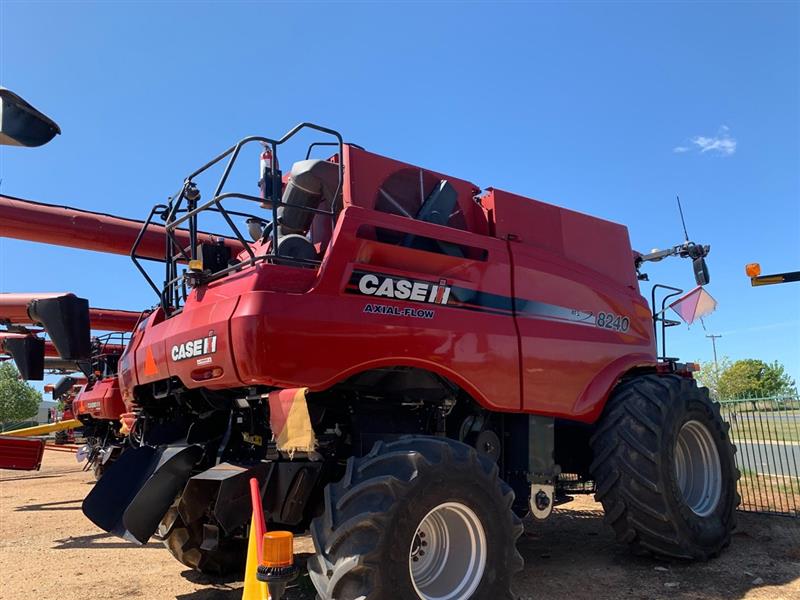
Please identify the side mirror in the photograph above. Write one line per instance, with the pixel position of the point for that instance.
(23, 125)
(701, 275)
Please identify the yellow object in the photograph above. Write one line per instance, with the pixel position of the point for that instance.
(752, 269)
(290, 421)
(767, 280)
(196, 265)
(278, 549)
(45, 429)
(253, 588)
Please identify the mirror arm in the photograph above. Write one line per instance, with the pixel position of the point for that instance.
(685, 250)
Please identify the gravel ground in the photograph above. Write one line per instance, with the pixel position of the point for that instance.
(50, 551)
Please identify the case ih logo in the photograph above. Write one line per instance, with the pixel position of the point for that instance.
(194, 348)
(385, 286)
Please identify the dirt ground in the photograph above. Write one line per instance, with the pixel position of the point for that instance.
(50, 551)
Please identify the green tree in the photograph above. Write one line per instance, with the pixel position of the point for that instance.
(753, 378)
(18, 400)
(710, 374)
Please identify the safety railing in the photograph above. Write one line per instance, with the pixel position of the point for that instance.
(766, 433)
(183, 210)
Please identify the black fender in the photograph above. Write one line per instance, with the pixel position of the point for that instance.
(138, 488)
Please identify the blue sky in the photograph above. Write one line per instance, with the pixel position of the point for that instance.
(610, 109)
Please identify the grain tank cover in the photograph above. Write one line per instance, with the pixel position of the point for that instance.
(597, 244)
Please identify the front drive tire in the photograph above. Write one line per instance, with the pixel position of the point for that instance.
(664, 468)
(421, 517)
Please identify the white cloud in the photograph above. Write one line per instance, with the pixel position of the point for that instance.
(722, 144)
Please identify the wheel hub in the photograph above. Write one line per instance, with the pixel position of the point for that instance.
(698, 468)
(447, 556)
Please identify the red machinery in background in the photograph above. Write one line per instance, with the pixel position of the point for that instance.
(92, 399)
(97, 404)
(67, 320)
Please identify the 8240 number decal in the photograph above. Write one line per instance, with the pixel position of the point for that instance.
(611, 321)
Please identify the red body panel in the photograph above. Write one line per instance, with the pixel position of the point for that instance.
(567, 259)
(102, 400)
(521, 328)
(22, 454)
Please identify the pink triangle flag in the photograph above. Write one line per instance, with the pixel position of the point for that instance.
(694, 304)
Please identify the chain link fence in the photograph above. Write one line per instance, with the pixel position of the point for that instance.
(766, 432)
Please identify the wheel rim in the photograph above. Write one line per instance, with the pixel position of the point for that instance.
(697, 468)
(447, 557)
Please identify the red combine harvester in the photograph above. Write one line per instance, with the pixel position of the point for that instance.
(406, 365)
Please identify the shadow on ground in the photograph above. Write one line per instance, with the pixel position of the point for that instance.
(61, 505)
(97, 541)
(223, 588)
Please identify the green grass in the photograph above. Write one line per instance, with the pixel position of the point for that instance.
(763, 426)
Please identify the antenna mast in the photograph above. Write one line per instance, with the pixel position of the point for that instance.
(683, 221)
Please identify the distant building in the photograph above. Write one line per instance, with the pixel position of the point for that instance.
(46, 409)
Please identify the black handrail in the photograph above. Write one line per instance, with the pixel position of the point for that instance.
(659, 316)
(175, 214)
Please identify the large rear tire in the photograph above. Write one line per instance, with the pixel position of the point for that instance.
(664, 468)
(421, 517)
(184, 542)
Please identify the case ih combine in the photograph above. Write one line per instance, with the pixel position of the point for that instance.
(406, 364)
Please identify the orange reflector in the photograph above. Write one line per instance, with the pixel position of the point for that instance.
(752, 269)
(278, 549)
(207, 373)
(150, 367)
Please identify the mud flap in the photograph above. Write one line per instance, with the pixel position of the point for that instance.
(136, 491)
(225, 488)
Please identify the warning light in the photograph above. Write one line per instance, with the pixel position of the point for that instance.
(278, 549)
(752, 269)
(196, 265)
